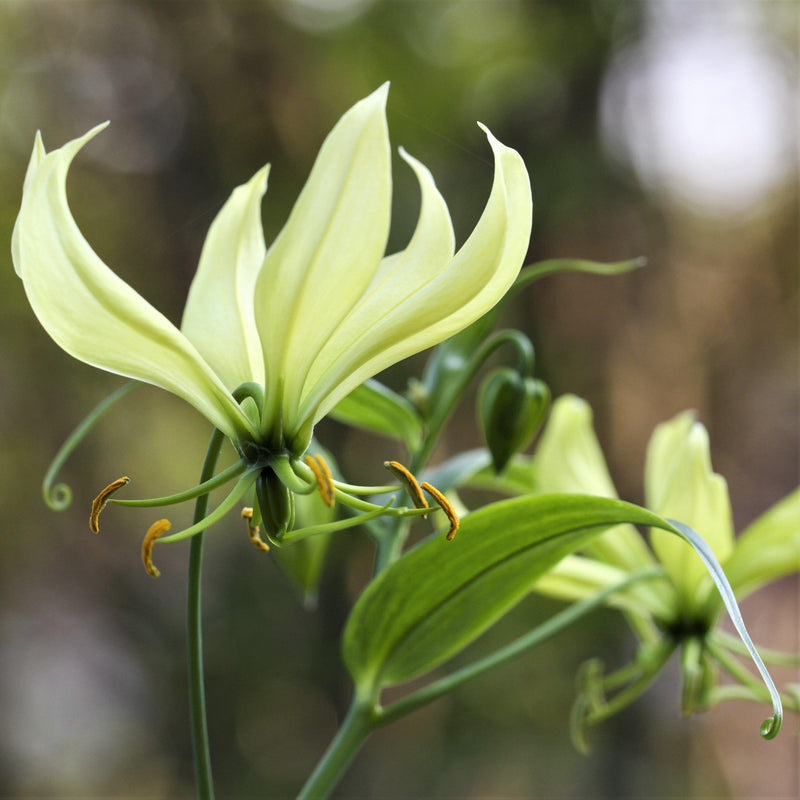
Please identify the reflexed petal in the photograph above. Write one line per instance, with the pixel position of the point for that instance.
(568, 459)
(93, 314)
(327, 253)
(36, 158)
(680, 484)
(398, 277)
(421, 304)
(218, 319)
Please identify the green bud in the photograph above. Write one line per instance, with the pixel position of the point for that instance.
(511, 411)
(276, 503)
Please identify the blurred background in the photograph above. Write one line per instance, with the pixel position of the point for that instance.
(660, 129)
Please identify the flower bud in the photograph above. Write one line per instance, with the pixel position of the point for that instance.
(276, 503)
(511, 410)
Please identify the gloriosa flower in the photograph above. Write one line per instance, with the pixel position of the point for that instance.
(300, 324)
(681, 608)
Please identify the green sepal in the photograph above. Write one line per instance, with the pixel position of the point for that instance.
(304, 559)
(376, 408)
(699, 676)
(276, 503)
(511, 409)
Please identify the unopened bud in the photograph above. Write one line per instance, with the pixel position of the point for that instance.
(511, 410)
(276, 503)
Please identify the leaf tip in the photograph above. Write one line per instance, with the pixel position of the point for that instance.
(771, 726)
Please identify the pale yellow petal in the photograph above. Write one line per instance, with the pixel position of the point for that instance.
(569, 460)
(93, 314)
(327, 253)
(680, 484)
(411, 310)
(218, 319)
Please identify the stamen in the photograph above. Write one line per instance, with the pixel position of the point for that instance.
(446, 506)
(156, 530)
(324, 478)
(409, 482)
(100, 502)
(254, 530)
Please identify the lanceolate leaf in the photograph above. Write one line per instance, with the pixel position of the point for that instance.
(376, 408)
(441, 595)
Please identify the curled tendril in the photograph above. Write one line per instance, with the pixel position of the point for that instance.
(59, 496)
(771, 726)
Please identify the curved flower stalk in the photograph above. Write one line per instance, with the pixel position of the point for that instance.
(682, 609)
(272, 338)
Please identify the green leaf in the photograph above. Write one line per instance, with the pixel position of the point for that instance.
(441, 595)
(376, 408)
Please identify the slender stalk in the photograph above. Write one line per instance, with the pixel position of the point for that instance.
(357, 725)
(456, 390)
(194, 636)
(390, 544)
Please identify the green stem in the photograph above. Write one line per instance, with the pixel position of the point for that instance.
(358, 724)
(194, 635)
(455, 390)
(390, 544)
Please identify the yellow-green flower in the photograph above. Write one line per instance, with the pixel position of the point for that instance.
(679, 610)
(273, 338)
(308, 319)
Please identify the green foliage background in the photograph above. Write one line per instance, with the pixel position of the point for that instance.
(200, 95)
